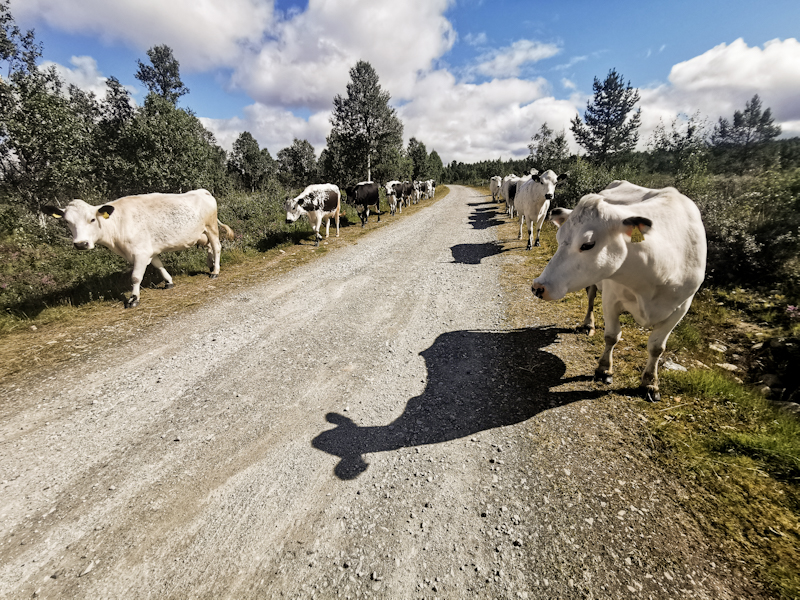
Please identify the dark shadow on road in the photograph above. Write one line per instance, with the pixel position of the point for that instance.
(477, 380)
(483, 218)
(473, 254)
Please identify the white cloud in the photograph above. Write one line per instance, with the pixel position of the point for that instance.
(508, 61)
(307, 62)
(472, 122)
(274, 128)
(478, 39)
(201, 34)
(85, 74)
(721, 80)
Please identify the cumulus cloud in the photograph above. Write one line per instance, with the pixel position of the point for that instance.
(274, 128)
(508, 61)
(721, 80)
(472, 122)
(85, 74)
(308, 59)
(202, 35)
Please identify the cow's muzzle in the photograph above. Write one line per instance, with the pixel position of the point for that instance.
(81, 245)
(548, 196)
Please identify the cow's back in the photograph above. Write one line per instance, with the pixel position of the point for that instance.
(166, 221)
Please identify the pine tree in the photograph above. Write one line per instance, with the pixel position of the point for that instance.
(608, 130)
(163, 76)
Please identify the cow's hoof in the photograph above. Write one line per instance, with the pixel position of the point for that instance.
(586, 329)
(537, 243)
(132, 302)
(213, 275)
(169, 286)
(603, 376)
(528, 247)
(650, 394)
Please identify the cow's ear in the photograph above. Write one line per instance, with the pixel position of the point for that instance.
(105, 211)
(534, 171)
(53, 211)
(535, 177)
(643, 224)
(559, 215)
(562, 177)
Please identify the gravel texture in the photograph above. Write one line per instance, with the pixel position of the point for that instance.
(365, 425)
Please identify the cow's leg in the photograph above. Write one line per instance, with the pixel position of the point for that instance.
(378, 209)
(215, 252)
(156, 262)
(656, 344)
(588, 321)
(522, 226)
(531, 228)
(139, 265)
(613, 331)
(336, 216)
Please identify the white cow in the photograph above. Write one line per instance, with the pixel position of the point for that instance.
(317, 202)
(532, 202)
(617, 192)
(494, 186)
(654, 279)
(509, 189)
(139, 228)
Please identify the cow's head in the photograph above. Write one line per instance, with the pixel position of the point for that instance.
(592, 245)
(549, 180)
(84, 221)
(294, 209)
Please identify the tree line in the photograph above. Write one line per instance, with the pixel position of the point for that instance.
(58, 142)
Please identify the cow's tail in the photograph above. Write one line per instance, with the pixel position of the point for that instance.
(226, 233)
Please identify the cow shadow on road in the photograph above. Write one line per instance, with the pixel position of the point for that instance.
(484, 218)
(477, 380)
(473, 254)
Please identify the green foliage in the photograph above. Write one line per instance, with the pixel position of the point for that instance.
(435, 166)
(297, 165)
(608, 130)
(162, 77)
(419, 157)
(366, 130)
(745, 139)
(548, 152)
(250, 166)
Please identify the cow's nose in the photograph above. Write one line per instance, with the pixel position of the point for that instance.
(81, 245)
(548, 196)
(538, 291)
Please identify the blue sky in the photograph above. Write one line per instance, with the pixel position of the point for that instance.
(472, 79)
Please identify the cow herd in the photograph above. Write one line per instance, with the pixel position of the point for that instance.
(643, 249)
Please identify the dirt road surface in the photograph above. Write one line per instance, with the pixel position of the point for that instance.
(362, 426)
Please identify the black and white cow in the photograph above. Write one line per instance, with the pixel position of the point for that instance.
(394, 195)
(316, 202)
(408, 192)
(363, 195)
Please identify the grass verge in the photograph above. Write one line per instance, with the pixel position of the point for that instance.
(738, 453)
(89, 316)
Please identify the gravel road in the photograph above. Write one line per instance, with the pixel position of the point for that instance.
(365, 425)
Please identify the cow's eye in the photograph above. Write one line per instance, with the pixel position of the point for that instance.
(92, 221)
(587, 246)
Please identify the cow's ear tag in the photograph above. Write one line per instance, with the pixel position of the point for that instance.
(55, 215)
(105, 214)
(636, 236)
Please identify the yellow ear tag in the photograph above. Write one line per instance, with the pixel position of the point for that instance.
(105, 215)
(636, 236)
(56, 216)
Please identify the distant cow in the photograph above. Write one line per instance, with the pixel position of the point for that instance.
(532, 202)
(654, 279)
(510, 185)
(316, 202)
(394, 195)
(408, 192)
(362, 196)
(494, 186)
(139, 228)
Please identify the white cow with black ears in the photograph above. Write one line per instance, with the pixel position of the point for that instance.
(317, 202)
(532, 202)
(654, 279)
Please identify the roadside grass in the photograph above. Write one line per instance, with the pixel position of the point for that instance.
(87, 314)
(738, 454)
